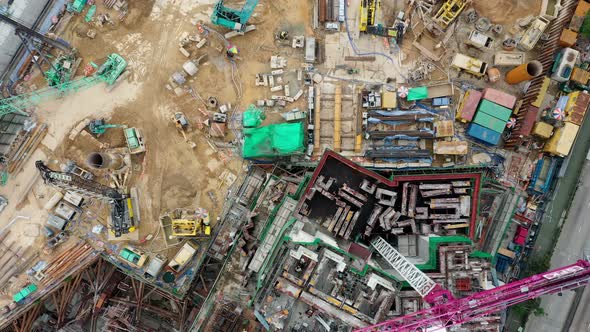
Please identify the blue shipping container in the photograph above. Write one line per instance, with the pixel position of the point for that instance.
(483, 134)
(441, 101)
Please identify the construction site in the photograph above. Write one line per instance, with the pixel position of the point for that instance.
(314, 165)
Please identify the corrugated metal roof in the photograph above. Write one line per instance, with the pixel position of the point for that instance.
(23, 11)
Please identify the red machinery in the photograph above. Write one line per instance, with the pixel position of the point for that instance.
(448, 311)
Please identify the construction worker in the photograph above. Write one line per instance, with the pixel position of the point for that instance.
(232, 51)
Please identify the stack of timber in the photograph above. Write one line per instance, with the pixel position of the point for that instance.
(69, 261)
(26, 149)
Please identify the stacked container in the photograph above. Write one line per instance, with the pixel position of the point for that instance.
(468, 106)
(493, 112)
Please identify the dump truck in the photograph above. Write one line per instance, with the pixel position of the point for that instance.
(154, 267)
(134, 139)
(468, 64)
(480, 40)
(133, 256)
(182, 258)
(562, 140)
(564, 64)
(532, 35)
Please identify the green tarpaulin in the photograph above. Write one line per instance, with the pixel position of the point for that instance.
(274, 140)
(418, 93)
(252, 117)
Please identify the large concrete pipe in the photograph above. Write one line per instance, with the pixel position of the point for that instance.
(105, 160)
(524, 72)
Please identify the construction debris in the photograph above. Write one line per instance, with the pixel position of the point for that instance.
(326, 149)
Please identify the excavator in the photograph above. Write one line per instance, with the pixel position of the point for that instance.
(99, 126)
(181, 123)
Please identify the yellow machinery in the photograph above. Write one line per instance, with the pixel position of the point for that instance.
(449, 11)
(130, 213)
(186, 227)
(368, 13)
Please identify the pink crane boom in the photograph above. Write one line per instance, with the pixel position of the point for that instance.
(457, 311)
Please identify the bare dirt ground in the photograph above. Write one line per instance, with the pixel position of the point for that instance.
(507, 11)
(170, 174)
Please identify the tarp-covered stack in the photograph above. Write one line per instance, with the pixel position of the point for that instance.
(252, 117)
(274, 140)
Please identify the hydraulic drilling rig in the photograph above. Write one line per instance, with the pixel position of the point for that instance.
(121, 210)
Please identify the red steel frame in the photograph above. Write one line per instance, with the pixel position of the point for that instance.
(458, 311)
(404, 178)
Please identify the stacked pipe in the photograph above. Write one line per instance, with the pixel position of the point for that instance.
(546, 56)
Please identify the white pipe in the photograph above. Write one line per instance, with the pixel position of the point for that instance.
(12, 222)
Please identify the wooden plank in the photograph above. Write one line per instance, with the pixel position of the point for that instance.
(360, 58)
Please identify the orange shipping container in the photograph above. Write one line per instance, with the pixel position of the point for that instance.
(580, 75)
(568, 38)
(576, 107)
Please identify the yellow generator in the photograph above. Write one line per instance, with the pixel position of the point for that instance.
(198, 226)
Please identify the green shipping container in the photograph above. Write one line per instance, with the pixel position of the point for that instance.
(490, 122)
(495, 110)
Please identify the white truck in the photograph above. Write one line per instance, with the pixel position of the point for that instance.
(480, 40)
(532, 35)
(182, 258)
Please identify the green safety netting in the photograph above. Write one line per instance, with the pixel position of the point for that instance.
(418, 93)
(252, 117)
(274, 140)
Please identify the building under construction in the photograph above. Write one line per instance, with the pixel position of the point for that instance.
(357, 165)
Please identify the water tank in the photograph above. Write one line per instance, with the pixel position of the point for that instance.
(190, 68)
